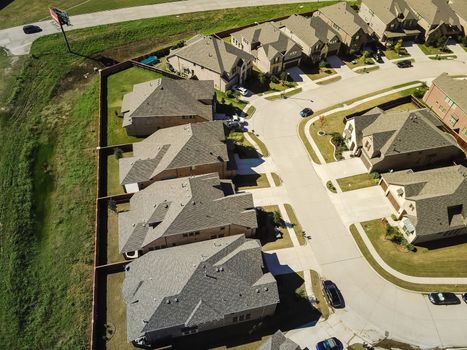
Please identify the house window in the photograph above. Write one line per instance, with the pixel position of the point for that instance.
(196, 233)
(453, 120)
(234, 319)
(442, 109)
(241, 318)
(185, 235)
(449, 101)
(367, 145)
(222, 228)
(247, 317)
(336, 26)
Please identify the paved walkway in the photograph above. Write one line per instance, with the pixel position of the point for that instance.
(19, 43)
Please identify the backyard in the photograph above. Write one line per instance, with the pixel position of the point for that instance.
(111, 247)
(120, 84)
(113, 180)
(447, 258)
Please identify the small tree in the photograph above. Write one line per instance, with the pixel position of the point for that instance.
(229, 93)
(112, 205)
(262, 79)
(323, 64)
(284, 76)
(274, 79)
(397, 47)
(118, 153)
(277, 218)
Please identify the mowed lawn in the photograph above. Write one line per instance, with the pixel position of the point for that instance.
(433, 260)
(120, 84)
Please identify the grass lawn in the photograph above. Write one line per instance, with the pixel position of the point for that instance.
(330, 186)
(334, 123)
(315, 72)
(113, 253)
(433, 260)
(404, 107)
(392, 55)
(396, 281)
(262, 147)
(293, 311)
(250, 111)
(266, 232)
(309, 149)
(440, 58)
(253, 84)
(323, 306)
(277, 179)
(47, 170)
(243, 147)
(367, 70)
(231, 106)
(284, 95)
(113, 182)
(356, 182)
(330, 80)
(358, 62)
(295, 224)
(429, 50)
(247, 182)
(10, 69)
(120, 84)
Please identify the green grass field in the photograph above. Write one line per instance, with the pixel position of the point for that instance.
(47, 172)
(356, 182)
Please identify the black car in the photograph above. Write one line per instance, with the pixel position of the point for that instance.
(333, 295)
(31, 29)
(444, 299)
(404, 64)
(305, 112)
(464, 297)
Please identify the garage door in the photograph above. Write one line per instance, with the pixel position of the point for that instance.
(290, 64)
(384, 185)
(393, 201)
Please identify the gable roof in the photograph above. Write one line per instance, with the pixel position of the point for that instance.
(190, 285)
(172, 148)
(309, 30)
(269, 36)
(407, 131)
(460, 8)
(434, 12)
(344, 16)
(434, 191)
(455, 89)
(212, 53)
(182, 205)
(167, 97)
(278, 341)
(388, 10)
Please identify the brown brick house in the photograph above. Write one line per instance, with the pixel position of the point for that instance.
(164, 102)
(184, 210)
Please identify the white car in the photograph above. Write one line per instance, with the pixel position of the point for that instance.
(241, 90)
(236, 118)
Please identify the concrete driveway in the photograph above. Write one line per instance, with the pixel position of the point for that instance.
(415, 52)
(343, 168)
(374, 306)
(288, 260)
(297, 75)
(340, 67)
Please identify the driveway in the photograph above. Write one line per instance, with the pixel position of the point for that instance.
(459, 52)
(297, 75)
(289, 260)
(340, 67)
(343, 168)
(375, 307)
(415, 52)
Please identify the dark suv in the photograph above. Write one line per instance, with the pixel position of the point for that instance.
(404, 64)
(31, 29)
(333, 295)
(444, 298)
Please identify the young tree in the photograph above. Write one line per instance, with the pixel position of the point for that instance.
(323, 64)
(397, 47)
(118, 153)
(262, 79)
(283, 76)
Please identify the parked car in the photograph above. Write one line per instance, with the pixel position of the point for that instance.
(329, 344)
(333, 295)
(31, 29)
(305, 112)
(378, 57)
(444, 299)
(232, 124)
(464, 297)
(243, 91)
(404, 64)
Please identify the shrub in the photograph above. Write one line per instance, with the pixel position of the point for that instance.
(229, 94)
(118, 153)
(331, 187)
(277, 219)
(397, 47)
(376, 175)
(284, 76)
(410, 247)
(112, 205)
(397, 238)
(275, 79)
(394, 217)
(181, 43)
(323, 64)
(390, 230)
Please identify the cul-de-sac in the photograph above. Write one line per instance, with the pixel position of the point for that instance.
(233, 174)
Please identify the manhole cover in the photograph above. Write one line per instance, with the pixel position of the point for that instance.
(321, 132)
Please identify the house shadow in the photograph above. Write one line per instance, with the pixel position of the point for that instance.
(5, 3)
(444, 243)
(334, 62)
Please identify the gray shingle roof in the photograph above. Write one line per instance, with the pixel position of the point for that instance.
(309, 30)
(194, 284)
(434, 11)
(167, 97)
(212, 53)
(278, 341)
(172, 148)
(407, 131)
(269, 36)
(455, 89)
(460, 7)
(345, 17)
(434, 191)
(179, 206)
(388, 10)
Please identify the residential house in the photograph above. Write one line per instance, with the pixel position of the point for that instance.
(447, 97)
(400, 140)
(190, 289)
(390, 20)
(164, 102)
(352, 30)
(210, 58)
(184, 210)
(317, 39)
(436, 18)
(274, 51)
(430, 204)
(460, 8)
(278, 341)
(184, 150)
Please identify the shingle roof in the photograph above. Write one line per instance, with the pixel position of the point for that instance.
(167, 97)
(434, 11)
(455, 89)
(212, 53)
(309, 30)
(345, 17)
(407, 131)
(278, 341)
(434, 191)
(182, 205)
(269, 36)
(388, 10)
(172, 148)
(460, 7)
(196, 283)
